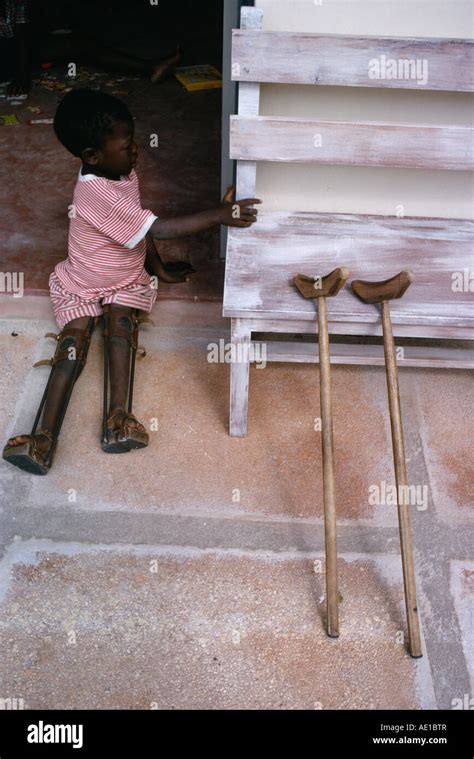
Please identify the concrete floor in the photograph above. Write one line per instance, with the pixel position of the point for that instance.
(191, 574)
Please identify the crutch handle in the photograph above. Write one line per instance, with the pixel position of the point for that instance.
(321, 287)
(390, 289)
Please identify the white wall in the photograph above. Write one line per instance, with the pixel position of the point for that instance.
(371, 190)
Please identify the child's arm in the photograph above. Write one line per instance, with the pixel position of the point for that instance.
(231, 213)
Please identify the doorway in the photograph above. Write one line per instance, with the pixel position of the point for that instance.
(184, 174)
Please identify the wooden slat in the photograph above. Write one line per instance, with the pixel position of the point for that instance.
(288, 325)
(262, 261)
(249, 105)
(251, 18)
(413, 146)
(327, 59)
(363, 355)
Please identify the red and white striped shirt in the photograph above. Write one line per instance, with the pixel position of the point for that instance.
(107, 246)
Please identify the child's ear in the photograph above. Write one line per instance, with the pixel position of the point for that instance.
(90, 156)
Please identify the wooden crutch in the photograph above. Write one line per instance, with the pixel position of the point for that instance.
(383, 292)
(321, 288)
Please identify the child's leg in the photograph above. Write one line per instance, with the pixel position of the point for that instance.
(61, 380)
(122, 432)
(34, 452)
(87, 50)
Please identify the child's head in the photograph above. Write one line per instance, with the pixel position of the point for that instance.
(98, 129)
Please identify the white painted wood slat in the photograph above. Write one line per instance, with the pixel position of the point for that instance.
(351, 61)
(373, 328)
(263, 260)
(413, 146)
(363, 355)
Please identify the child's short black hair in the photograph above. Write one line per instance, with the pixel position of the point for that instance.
(85, 117)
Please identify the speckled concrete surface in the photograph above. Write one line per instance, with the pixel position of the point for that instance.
(237, 521)
(188, 629)
(447, 433)
(462, 587)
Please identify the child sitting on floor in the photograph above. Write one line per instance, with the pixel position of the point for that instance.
(105, 273)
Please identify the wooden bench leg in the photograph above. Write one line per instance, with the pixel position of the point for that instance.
(239, 376)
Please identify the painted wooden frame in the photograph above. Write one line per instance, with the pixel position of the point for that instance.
(262, 261)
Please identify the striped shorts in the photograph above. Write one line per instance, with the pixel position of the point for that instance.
(68, 306)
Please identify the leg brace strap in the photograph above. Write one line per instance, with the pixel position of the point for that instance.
(72, 345)
(121, 322)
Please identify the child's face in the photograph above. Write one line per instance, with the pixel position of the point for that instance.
(118, 154)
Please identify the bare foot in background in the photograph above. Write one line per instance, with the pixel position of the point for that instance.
(164, 69)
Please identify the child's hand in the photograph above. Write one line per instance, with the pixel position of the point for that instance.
(175, 272)
(171, 272)
(179, 267)
(238, 213)
(172, 279)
